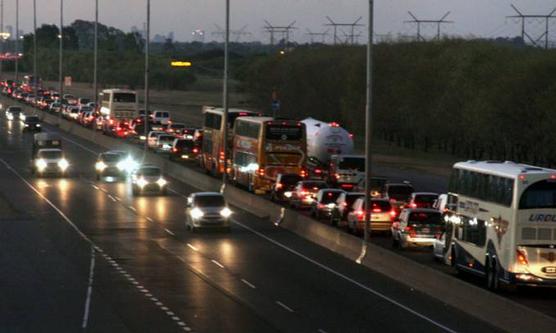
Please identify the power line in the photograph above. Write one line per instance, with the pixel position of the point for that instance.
(419, 22)
(285, 31)
(314, 35)
(525, 18)
(349, 37)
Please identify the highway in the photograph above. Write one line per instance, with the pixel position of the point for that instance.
(86, 254)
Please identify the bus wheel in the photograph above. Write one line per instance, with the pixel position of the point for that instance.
(492, 275)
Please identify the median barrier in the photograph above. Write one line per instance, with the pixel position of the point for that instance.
(478, 302)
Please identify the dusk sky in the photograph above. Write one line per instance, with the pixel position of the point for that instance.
(478, 17)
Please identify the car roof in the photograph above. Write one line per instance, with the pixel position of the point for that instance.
(206, 194)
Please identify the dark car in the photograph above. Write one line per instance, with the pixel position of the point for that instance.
(283, 186)
(32, 123)
(325, 202)
(184, 150)
(305, 192)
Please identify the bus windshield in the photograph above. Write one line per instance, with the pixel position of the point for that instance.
(124, 98)
(285, 133)
(539, 195)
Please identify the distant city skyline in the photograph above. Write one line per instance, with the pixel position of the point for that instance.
(484, 18)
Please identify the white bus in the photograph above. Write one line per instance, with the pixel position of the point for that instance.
(501, 222)
(118, 107)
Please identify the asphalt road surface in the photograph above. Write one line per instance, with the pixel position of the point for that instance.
(78, 254)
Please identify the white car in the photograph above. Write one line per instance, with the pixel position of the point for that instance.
(50, 161)
(164, 143)
(207, 210)
(161, 117)
(148, 179)
(152, 138)
(417, 227)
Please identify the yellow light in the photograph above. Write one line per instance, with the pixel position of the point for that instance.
(178, 63)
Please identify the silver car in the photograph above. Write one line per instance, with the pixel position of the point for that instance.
(417, 227)
(148, 179)
(207, 210)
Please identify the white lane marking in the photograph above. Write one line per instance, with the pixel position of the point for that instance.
(89, 290)
(149, 219)
(68, 221)
(94, 186)
(217, 263)
(169, 231)
(117, 197)
(132, 208)
(192, 247)
(248, 283)
(111, 197)
(284, 306)
(9, 132)
(338, 274)
(320, 330)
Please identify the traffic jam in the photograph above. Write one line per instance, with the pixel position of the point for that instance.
(487, 224)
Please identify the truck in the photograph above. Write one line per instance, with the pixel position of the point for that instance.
(47, 156)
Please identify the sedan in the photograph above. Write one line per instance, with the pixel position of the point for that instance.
(207, 210)
(148, 179)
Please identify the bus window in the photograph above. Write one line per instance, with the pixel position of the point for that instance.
(124, 98)
(539, 195)
(285, 133)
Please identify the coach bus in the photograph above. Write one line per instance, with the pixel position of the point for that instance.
(118, 107)
(263, 148)
(501, 222)
(212, 150)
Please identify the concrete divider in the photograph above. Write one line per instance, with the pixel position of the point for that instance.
(500, 312)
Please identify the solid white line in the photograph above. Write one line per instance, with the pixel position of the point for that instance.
(94, 186)
(192, 247)
(132, 208)
(217, 263)
(287, 308)
(89, 289)
(248, 283)
(111, 197)
(117, 197)
(320, 330)
(169, 231)
(338, 274)
(149, 219)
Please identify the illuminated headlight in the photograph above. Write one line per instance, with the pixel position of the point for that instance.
(63, 164)
(100, 166)
(41, 164)
(142, 182)
(142, 137)
(196, 213)
(166, 146)
(288, 194)
(189, 137)
(161, 182)
(226, 212)
(331, 205)
(10, 116)
(38, 125)
(26, 125)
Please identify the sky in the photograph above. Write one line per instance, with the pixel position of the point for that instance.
(485, 18)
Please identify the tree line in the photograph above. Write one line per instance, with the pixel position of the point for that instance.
(472, 99)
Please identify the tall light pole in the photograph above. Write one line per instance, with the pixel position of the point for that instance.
(35, 47)
(16, 40)
(95, 56)
(225, 97)
(147, 42)
(60, 55)
(2, 31)
(368, 126)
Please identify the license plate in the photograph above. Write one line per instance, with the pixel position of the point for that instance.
(185, 156)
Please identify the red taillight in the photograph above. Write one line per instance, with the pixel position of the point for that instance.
(174, 149)
(279, 186)
(318, 170)
(377, 210)
(303, 192)
(393, 214)
(303, 173)
(410, 231)
(195, 150)
(522, 257)
(261, 172)
(359, 213)
(412, 205)
(337, 176)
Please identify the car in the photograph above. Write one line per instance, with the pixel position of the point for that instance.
(114, 164)
(441, 202)
(398, 194)
(55, 107)
(346, 171)
(32, 123)
(164, 143)
(344, 205)
(148, 179)
(152, 138)
(417, 227)
(13, 112)
(207, 210)
(174, 128)
(161, 117)
(325, 202)
(304, 193)
(422, 200)
(184, 150)
(439, 252)
(382, 216)
(50, 161)
(282, 188)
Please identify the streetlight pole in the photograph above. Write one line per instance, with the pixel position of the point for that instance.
(2, 30)
(225, 97)
(95, 56)
(368, 127)
(60, 55)
(35, 47)
(147, 42)
(16, 40)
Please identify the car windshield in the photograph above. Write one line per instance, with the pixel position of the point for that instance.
(433, 218)
(350, 198)
(14, 109)
(166, 138)
(31, 119)
(330, 196)
(209, 201)
(381, 206)
(539, 195)
(185, 144)
(150, 172)
(111, 157)
(50, 154)
(352, 163)
(86, 108)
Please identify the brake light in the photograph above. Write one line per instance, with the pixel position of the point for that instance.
(359, 213)
(222, 155)
(334, 124)
(303, 173)
(174, 149)
(195, 150)
(377, 210)
(413, 205)
(303, 192)
(261, 172)
(337, 176)
(279, 186)
(522, 257)
(393, 214)
(318, 170)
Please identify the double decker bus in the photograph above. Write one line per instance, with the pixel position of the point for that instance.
(263, 148)
(118, 107)
(501, 222)
(212, 156)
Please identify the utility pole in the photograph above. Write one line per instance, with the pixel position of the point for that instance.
(35, 47)
(335, 25)
(147, 42)
(60, 55)
(95, 57)
(2, 31)
(525, 18)
(419, 22)
(16, 40)
(284, 30)
(225, 98)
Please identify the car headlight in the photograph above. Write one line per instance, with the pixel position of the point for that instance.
(100, 166)
(142, 182)
(10, 117)
(161, 182)
(38, 125)
(196, 213)
(331, 205)
(128, 165)
(63, 164)
(142, 137)
(288, 194)
(41, 164)
(226, 212)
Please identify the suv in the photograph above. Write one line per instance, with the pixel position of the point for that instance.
(161, 117)
(282, 188)
(13, 112)
(32, 123)
(183, 150)
(148, 178)
(325, 202)
(344, 205)
(49, 161)
(207, 210)
(382, 216)
(422, 200)
(346, 171)
(417, 227)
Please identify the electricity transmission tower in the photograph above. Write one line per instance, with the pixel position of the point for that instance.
(317, 35)
(284, 31)
(237, 34)
(525, 18)
(351, 36)
(419, 22)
